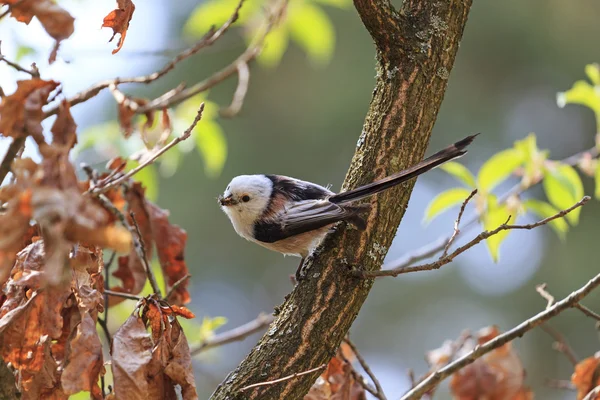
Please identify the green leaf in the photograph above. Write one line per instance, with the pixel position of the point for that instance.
(276, 43)
(312, 29)
(593, 73)
(209, 326)
(499, 167)
(564, 188)
(212, 146)
(597, 180)
(444, 201)
(495, 216)
(581, 93)
(460, 172)
(23, 51)
(545, 210)
(216, 12)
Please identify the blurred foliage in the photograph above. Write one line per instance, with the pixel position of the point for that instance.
(207, 138)
(306, 23)
(562, 184)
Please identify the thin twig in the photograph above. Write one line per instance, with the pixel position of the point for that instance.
(137, 241)
(209, 39)
(149, 161)
(176, 285)
(240, 92)
(11, 153)
(380, 394)
(541, 289)
(33, 71)
(587, 311)
(560, 384)
(123, 295)
(358, 377)
(560, 343)
(107, 266)
(434, 247)
(144, 258)
(479, 238)
(104, 325)
(247, 56)
(457, 223)
(568, 302)
(235, 334)
(285, 378)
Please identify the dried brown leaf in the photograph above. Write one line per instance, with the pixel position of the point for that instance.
(498, 375)
(170, 245)
(64, 129)
(21, 112)
(118, 20)
(336, 383)
(587, 376)
(84, 363)
(130, 269)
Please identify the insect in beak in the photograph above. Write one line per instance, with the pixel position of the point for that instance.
(226, 201)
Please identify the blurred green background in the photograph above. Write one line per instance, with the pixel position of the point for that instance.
(303, 119)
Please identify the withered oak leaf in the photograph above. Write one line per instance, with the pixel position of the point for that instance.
(118, 20)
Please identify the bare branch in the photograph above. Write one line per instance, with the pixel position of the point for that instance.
(176, 285)
(379, 390)
(285, 378)
(234, 335)
(560, 343)
(247, 56)
(457, 223)
(592, 394)
(34, 72)
(144, 257)
(432, 248)
(541, 289)
(479, 238)
(568, 302)
(240, 92)
(12, 151)
(150, 160)
(209, 39)
(588, 312)
(124, 295)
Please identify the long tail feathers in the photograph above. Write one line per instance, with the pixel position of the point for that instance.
(449, 153)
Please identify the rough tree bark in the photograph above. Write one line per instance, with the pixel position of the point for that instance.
(416, 47)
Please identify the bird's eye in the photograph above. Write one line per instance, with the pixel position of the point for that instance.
(245, 198)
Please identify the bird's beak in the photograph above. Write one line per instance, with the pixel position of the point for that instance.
(226, 201)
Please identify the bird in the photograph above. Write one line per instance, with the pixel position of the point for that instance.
(292, 216)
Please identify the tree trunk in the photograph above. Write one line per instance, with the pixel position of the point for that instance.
(416, 48)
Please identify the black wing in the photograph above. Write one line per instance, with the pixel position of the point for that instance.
(297, 190)
(302, 217)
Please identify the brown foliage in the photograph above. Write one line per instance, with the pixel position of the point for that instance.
(337, 381)
(587, 376)
(148, 365)
(118, 20)
(498, 375)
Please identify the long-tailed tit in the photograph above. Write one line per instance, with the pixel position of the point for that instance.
(291, 216)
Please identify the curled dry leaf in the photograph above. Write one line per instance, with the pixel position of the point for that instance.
(48, 333)
(498, 375)
(170, 245)
(21, 112)
(57, 22)
(336, 382)
(587, 376)
(118, 20)
(130, 269)
(148, 366)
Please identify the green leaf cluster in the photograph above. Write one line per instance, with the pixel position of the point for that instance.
(306, 24)
(562, 185)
